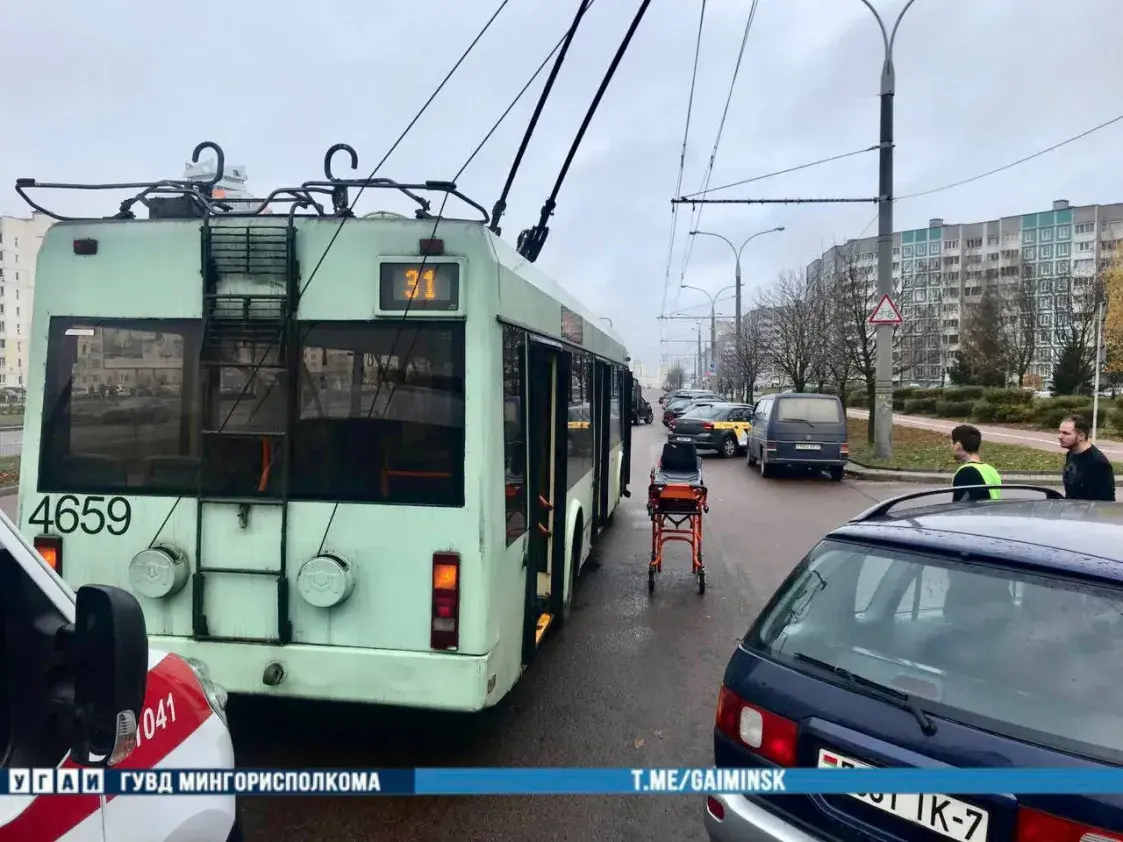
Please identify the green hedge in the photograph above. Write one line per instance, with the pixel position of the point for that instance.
(954, 409)
(920, 406)
(963, 393)
(1014, 396)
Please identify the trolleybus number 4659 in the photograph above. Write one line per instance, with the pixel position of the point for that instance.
(93, 515)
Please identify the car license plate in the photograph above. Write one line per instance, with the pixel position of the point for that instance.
(808, 446)
(948, 817)
(683, 438)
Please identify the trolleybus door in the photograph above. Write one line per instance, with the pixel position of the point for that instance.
(547, 375)
(602, 391)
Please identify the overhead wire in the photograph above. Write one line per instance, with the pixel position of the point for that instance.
(696, 214)
(343, 221)
(808, 165)
(1003, 168)
(401, 322)
(682, 155)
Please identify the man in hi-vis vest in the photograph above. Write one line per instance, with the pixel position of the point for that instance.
(965, 443)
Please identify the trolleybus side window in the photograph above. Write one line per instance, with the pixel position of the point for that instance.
(514, 430)
(580, 428)
(615, 420)
(119, 408)
(381, 413)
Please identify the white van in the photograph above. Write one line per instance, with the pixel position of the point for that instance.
(81, 688)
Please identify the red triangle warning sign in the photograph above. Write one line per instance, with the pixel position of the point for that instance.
(886, 312)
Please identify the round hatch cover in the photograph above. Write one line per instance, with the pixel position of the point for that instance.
(157, 572)
(325, 581)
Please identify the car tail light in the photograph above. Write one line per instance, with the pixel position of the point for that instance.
(706, 425)
(50, 547)
(445, 631)
(772, 445)
(771, 736)
(715, 808)
(1035, 826)
(844, 449)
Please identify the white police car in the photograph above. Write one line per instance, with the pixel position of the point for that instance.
(82, 690)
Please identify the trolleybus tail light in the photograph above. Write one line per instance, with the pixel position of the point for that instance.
(85, 246)
(763, 732)
(445, 631)
(1035, 826)
(50, 547)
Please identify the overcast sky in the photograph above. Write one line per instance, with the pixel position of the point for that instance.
(121, 90)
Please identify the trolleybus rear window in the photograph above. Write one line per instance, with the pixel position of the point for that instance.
(119, 407)
(379, 412)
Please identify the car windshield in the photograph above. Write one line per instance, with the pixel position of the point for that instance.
(705, 411)
(814, 410)
(1032, 656)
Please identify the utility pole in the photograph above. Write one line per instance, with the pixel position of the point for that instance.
(883, 378)
(882, 413)
(737, 285)
(713, 318)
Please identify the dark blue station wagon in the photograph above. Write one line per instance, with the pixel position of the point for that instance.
(978, 634)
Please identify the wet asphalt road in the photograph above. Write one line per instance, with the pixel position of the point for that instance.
(631, 681)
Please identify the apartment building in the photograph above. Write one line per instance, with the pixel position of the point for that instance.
(941, 270)
(20, 240)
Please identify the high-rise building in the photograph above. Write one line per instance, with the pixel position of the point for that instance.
(20, 240)
(942, 270)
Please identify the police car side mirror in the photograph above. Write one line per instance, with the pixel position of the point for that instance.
(109, 657)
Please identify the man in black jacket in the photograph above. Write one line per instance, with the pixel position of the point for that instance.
(1087, 473)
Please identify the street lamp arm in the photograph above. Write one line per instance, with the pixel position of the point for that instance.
(754, 236)
(719, 236)
(699, 289)
(893, 34)
(881, 25)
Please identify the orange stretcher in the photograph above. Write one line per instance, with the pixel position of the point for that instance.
(676, 501)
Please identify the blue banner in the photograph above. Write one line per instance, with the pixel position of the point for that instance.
(557, 781)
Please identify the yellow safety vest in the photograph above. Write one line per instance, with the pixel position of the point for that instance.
(990, 476)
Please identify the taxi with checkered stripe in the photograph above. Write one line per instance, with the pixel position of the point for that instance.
(723, 427)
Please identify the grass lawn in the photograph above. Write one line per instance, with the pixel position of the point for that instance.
(928, 450)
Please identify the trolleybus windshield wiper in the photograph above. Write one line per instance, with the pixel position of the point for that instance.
(898, 697)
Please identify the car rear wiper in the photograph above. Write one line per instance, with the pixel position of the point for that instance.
(902, 699)
(801, 420)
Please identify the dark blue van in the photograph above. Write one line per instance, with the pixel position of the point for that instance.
(797, 429)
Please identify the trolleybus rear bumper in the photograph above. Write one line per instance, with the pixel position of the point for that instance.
(431, 680)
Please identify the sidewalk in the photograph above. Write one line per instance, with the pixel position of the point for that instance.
(1037, 439)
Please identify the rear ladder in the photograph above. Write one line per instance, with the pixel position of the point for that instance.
(251, 290)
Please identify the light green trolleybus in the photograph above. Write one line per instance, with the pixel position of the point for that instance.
(355, 459)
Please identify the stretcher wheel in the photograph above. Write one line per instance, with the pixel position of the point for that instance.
(651, 580)
(701, 581)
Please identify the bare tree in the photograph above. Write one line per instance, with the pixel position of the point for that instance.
(1018, 316)
(794, 305)
(674, 378)
(750, 356)
(851, 293)
(837, 360)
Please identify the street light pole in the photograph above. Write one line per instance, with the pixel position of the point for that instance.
(883, 378)
(737, 277)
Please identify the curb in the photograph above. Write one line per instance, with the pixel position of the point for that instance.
(8, 490)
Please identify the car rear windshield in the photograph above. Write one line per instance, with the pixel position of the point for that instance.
(1035, 657)
(815, 410)
(708, 410)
